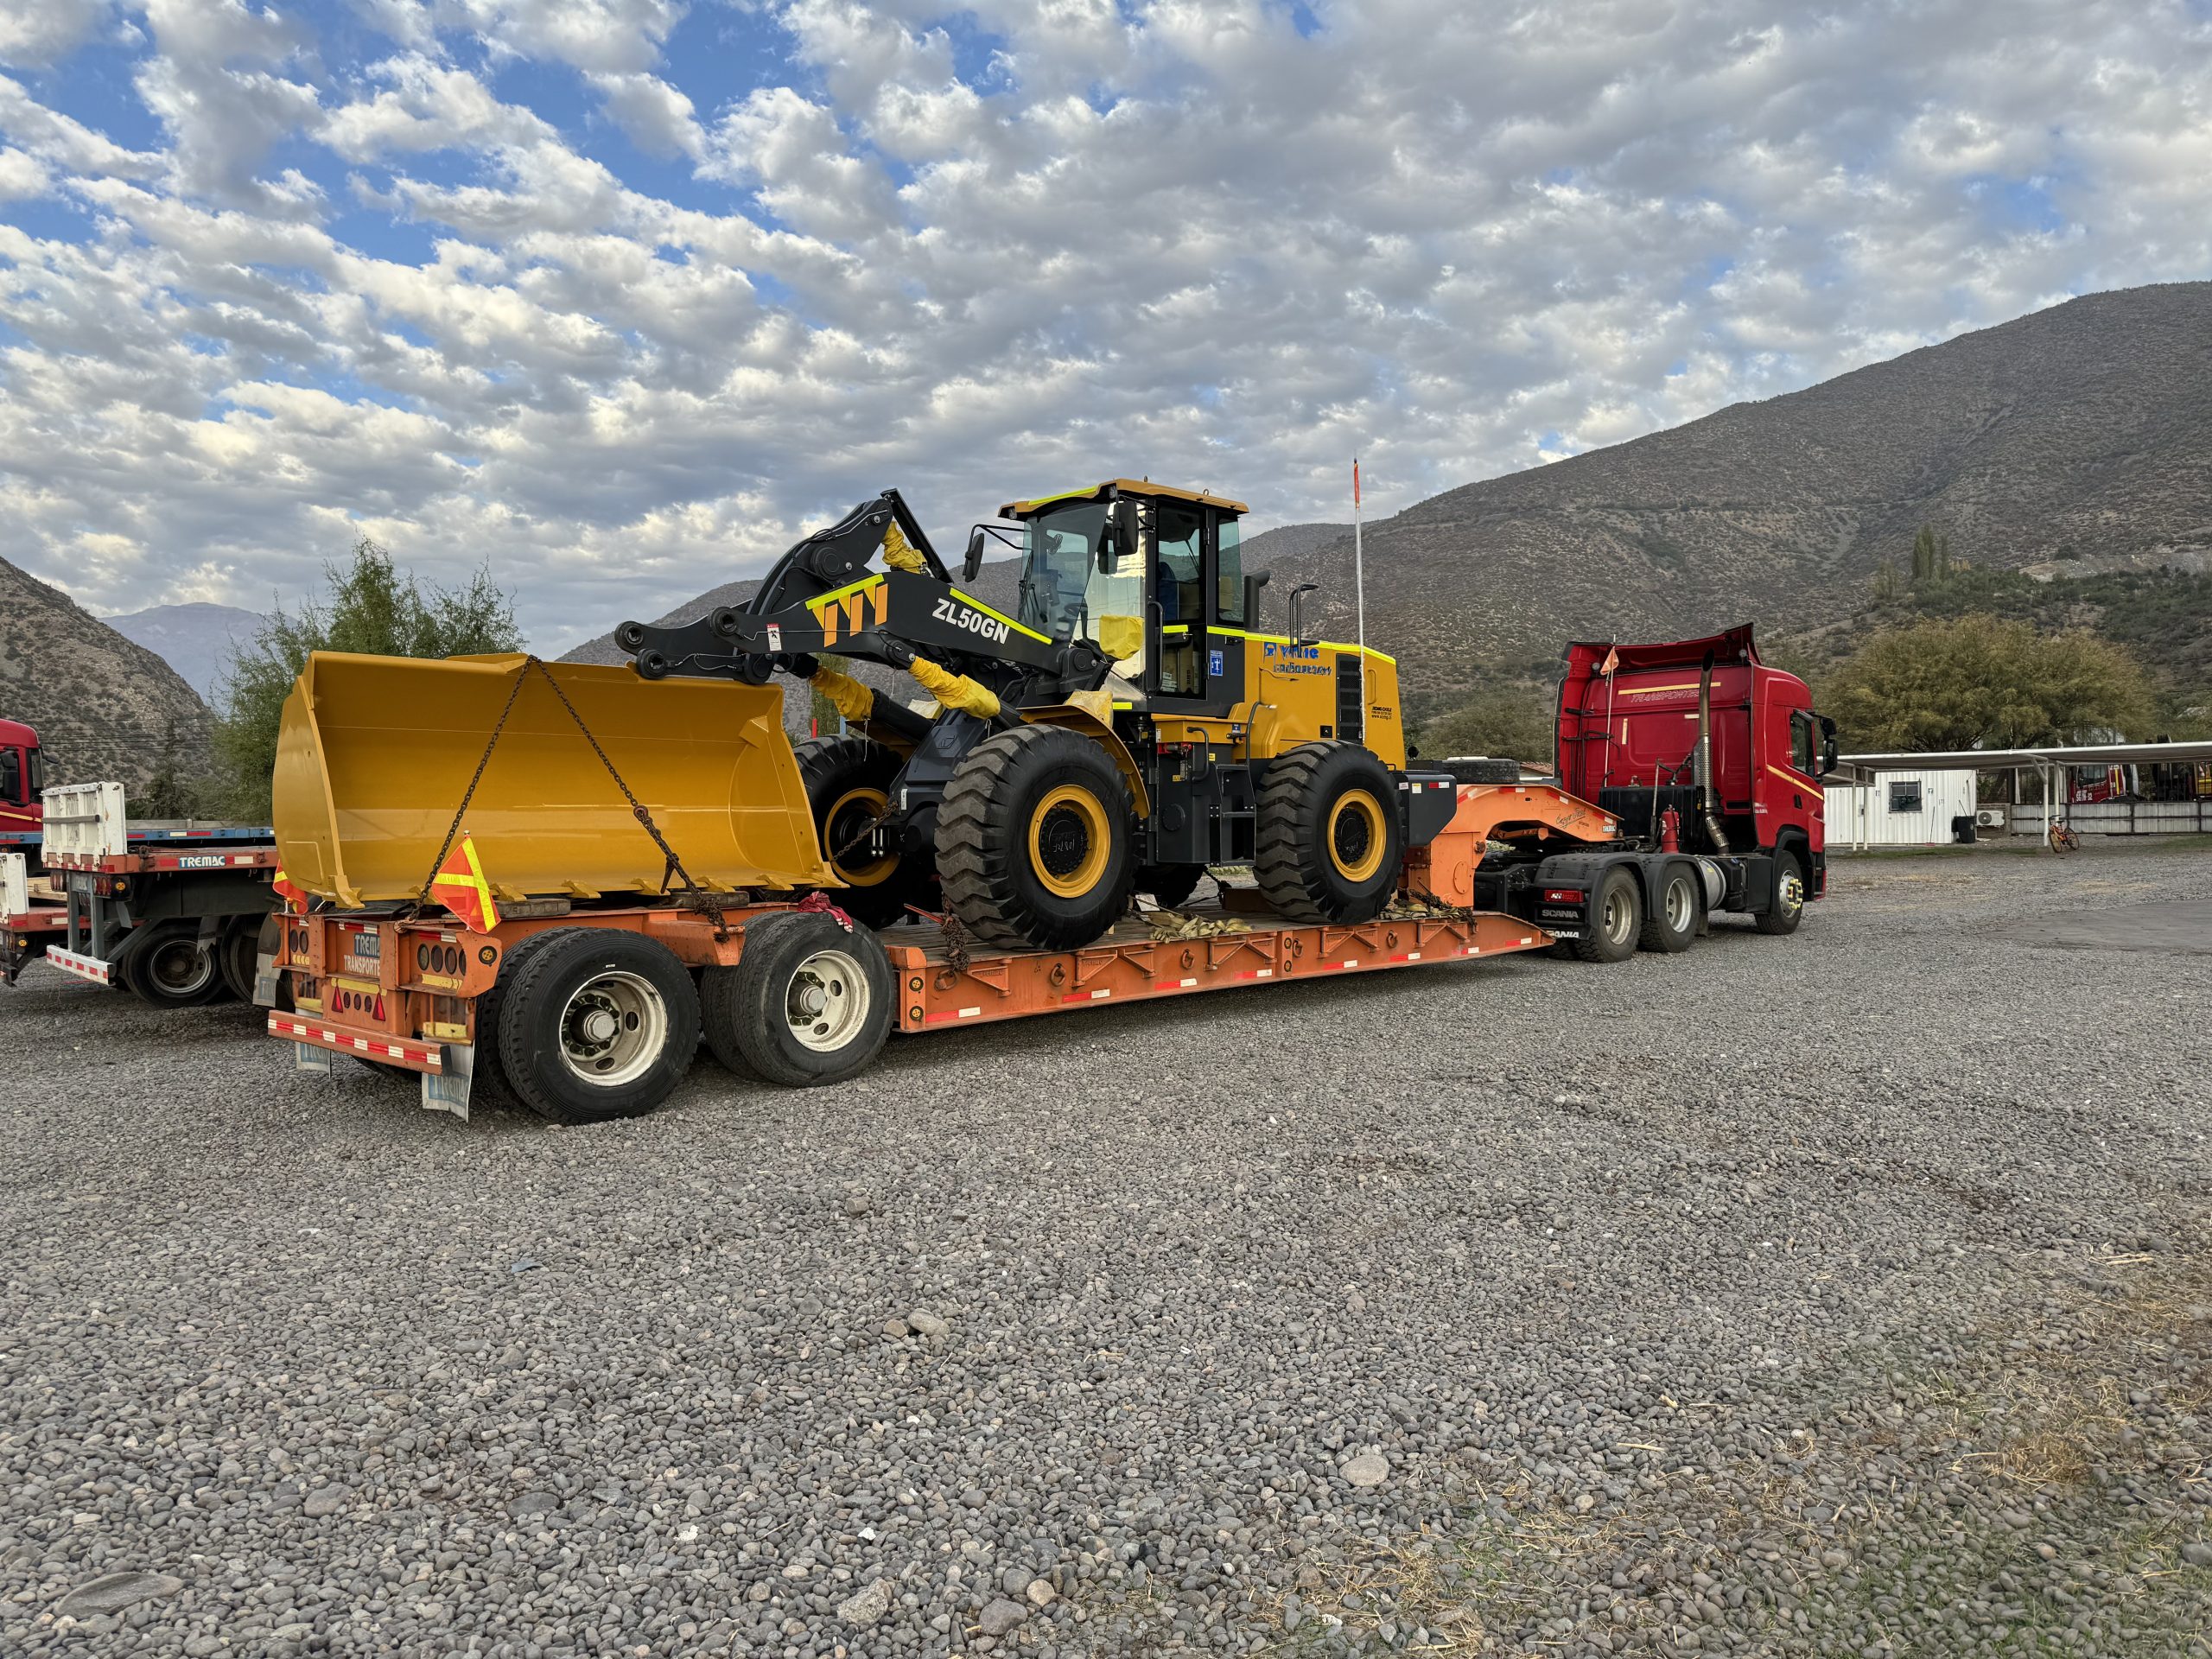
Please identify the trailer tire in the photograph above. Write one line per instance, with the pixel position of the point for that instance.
(808, 1001)
(1170, 884)
(162, 963)
(597, 1025)
(1035, 841)
(1671, 924)
(1328, 842)
(237, 954)
(847, 781)
(1616, 918)
(1786, 908)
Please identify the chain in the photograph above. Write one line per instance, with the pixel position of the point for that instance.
(693, 894)
(423, 898)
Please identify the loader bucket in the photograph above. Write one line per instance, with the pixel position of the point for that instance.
(375, 755)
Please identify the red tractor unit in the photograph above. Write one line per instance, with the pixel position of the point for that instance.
(20, 783)
(1710, 762)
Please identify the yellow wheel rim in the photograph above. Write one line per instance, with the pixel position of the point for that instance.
(1356, 840)
(1069, 840)
(841, 822)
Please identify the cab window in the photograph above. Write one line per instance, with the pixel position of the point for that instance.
(1228, 574)
(1182, 563)
(1801, 743)
(11, 778)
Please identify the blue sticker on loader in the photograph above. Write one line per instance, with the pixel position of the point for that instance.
(1213, 663)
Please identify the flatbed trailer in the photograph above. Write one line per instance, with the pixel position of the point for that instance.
(172, 913)
(586, 1013)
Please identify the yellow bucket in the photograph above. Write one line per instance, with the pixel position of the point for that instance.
(376, 752)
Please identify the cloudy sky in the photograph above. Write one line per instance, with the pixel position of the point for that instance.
(621, 296)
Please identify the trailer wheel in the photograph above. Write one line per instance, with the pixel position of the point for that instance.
(848, 782)
(597, 1025)
(1170, 884)
(1328, 842)
(808, 1002)
(1788, 908)
(236, 955)
(164, 965)
(1672, 925)
(1616, 918)
(1034, 840)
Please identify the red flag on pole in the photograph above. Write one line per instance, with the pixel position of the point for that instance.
(461, 888)
(291, 898)
(1612, 663)
(1354, 480)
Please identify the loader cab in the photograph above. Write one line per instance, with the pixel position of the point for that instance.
(1146, 573)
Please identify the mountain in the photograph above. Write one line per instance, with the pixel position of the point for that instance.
(2071, 440)
(196, 640)
(105, 708)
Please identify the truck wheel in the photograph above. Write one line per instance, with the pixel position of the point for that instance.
(164, 965)
(1616, 918)
(1788, 906)
(1672, 925)
(1328, 842)
(1034, 841)
(597, 1025)
(236, 955)
(848, 782)
(808, 1001)
(1170, 884)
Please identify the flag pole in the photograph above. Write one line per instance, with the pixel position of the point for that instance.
(1358, 558)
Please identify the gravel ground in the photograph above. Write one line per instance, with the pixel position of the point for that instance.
(1845, 1293)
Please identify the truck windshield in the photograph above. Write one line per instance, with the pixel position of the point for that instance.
(1064, 593)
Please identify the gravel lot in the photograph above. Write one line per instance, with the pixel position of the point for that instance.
(1843, 1293)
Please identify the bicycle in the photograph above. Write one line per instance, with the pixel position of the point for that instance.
(2063, 838)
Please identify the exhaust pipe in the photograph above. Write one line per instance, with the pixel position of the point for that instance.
(1704, 768)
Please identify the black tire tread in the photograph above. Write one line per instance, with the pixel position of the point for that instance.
(736, 1005)
(1771, 921)
(1593, 945)
(975, 849)
(684, 1032)
(1654, 935)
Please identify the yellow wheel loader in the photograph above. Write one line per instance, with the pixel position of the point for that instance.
(1128, 726)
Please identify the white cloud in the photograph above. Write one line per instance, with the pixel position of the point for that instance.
(1173, 239)
(34, 32)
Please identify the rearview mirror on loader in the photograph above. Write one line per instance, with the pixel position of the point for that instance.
(1122, 544)
(977, 542)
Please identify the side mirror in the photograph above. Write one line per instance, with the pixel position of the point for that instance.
(1124, 543)
(1254, 581)
(1298, 612)
(1827, 744)
(977, 542)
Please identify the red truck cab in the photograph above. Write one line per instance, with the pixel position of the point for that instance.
(1704, 730)
(21, 777)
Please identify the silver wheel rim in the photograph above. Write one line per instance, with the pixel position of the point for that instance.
(1792, 893)
(612, 1029)
(826, 1003)
(180, 968)
(1617, 915)
(1681, 905)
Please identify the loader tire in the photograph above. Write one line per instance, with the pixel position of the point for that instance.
(1329, 844)
(598, 1024)
(1170, 884)
(1035, 840)
(848, 782)
(808, 1002)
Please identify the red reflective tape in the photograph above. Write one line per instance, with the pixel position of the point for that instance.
(1172, 984)
(1257, 973)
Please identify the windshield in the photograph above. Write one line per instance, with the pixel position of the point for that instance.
(1063, 595)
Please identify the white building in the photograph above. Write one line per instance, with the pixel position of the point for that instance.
(1899, 808)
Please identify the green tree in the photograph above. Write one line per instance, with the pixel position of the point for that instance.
(1976, 679)
(1931, 559)
(374, 608)
(1509, 718)
(170, 793)
(1885, 579)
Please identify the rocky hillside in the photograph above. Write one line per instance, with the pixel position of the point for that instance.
(105, 708)
(2072, 440)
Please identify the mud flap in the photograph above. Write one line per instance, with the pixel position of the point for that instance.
(448, 1091)
(307, 1057)
(265, 981)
